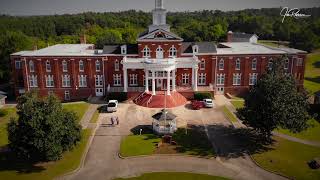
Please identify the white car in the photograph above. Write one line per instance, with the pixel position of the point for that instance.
(112, 106)
(208, 103)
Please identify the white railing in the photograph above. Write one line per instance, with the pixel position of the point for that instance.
(148, 102)
(139, 97)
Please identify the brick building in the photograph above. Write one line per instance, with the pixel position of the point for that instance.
(160, 61)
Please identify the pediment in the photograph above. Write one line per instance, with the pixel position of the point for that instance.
(160, 35)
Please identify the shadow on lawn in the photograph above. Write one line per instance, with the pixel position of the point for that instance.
(313, 79)
(316, 64)
(9, 162)
(233, 142)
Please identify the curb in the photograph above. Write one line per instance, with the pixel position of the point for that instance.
(159, 155)
(84, 155)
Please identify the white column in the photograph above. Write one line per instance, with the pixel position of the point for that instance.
(168, 82)
(146, 76)
(153, 84)
(174, 80)
(196, 79)
(125, 80)
(192, 79)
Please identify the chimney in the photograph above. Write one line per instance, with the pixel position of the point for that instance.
(83, 39)
(229, 36)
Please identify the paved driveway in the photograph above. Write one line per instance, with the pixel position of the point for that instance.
(102, 161)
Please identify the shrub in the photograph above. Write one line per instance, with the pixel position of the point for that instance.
(120, 96)
(202, 95)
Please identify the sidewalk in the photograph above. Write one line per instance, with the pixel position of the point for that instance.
(88, 115)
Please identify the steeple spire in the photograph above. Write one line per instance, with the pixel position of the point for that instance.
(159, 17)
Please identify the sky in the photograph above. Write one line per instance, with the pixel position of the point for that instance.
(49, 7)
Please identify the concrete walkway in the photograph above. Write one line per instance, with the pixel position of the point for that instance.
(88, 115)
(223, 101)
(102, 161)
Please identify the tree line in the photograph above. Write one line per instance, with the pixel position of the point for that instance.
(25, 32)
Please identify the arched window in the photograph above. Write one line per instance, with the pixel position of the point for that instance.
(48, 66)
(64, 66)
(159, 53)
(221, 64)
(254, 64)
(238, 66)
(116, 65)
(202, 64)
(286, 64)
(270, 63)
(146, 52)
(81, 66)
(98, 66)
(31, 66)
(172, 52)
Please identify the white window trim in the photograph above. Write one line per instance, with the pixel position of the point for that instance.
(202, 64)
(49, 78)
(185, 79)
(99, 79)
(221, 62)
(236, 77)
(66, 81)
(254, 62)
(64, 64)
(238, 62)
(116, 65)
(133, 80)
(31, 66)
(117, 80)
(173, 52)
(220, 79)
(98, 64)
(286, 64)
(146, 52)
(83, 81)
(81, 63)
(65, 95)
(17, 64)
(253, 79)
(299, 62)
(202, 80)
(48, 66)
(33, 81)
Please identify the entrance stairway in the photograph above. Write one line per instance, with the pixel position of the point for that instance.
(158, 100)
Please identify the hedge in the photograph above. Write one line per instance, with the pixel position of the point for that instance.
(202, 95)
(120, 96)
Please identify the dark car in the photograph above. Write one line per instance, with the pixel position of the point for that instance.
(196, 105)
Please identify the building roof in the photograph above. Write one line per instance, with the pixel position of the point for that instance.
(204, 47)
(62, 50)
(247, 48)
(116, 49)
(20, 53)
(241, 35)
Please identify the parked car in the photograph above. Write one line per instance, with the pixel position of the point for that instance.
(112, 106)
(196, 105)
(208, 103)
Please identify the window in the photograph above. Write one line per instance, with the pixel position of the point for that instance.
(117, 79)
(146, 52)
(299, 62)
(253, 78)
(33, 81)
(31, 66)
(237, 79)
(67, 95)
(221, 64)
(48, 66)
(172, 52)
(81, 66)
(202, 64)
(185, 79)
(83, 81)
(99, 80)
(220, 79)
(66, 81)
(133, 79)
(286, 64)
(270, 64)
(116, 65)
(18, 64)
(64, 66)
(159, 53)
(49, 81)
(124, 49)
(195, 49)
(254, 64)
(98, 66)
(202, 79)
(238, 65)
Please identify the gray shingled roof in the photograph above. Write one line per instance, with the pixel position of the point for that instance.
(116, 49)
(204, 47)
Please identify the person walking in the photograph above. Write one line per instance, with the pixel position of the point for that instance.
(112, 121)
(117, 119)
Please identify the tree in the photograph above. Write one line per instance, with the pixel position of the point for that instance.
(275, 102)
(43, 130)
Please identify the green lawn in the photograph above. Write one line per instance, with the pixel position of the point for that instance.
(290, 158)
(78, 107)
(95, 117)
(312, 133)
(69, 162)
(174, 176)
(135, 145)
(237, 104)
(312, 74)
(229, 114)
(5, 115)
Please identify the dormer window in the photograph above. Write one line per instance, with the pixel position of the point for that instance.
(48, 66)
(172, 52)
(31, 66)
(124, 49)
(195, 49)
(146, 52)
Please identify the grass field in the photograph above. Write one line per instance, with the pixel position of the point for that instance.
(6, 114)
(312, 74)
(237, 104)
(174, 176)
(95, 117)
(79, 108)
(135, 145)
(229, 114)
(290, 158)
